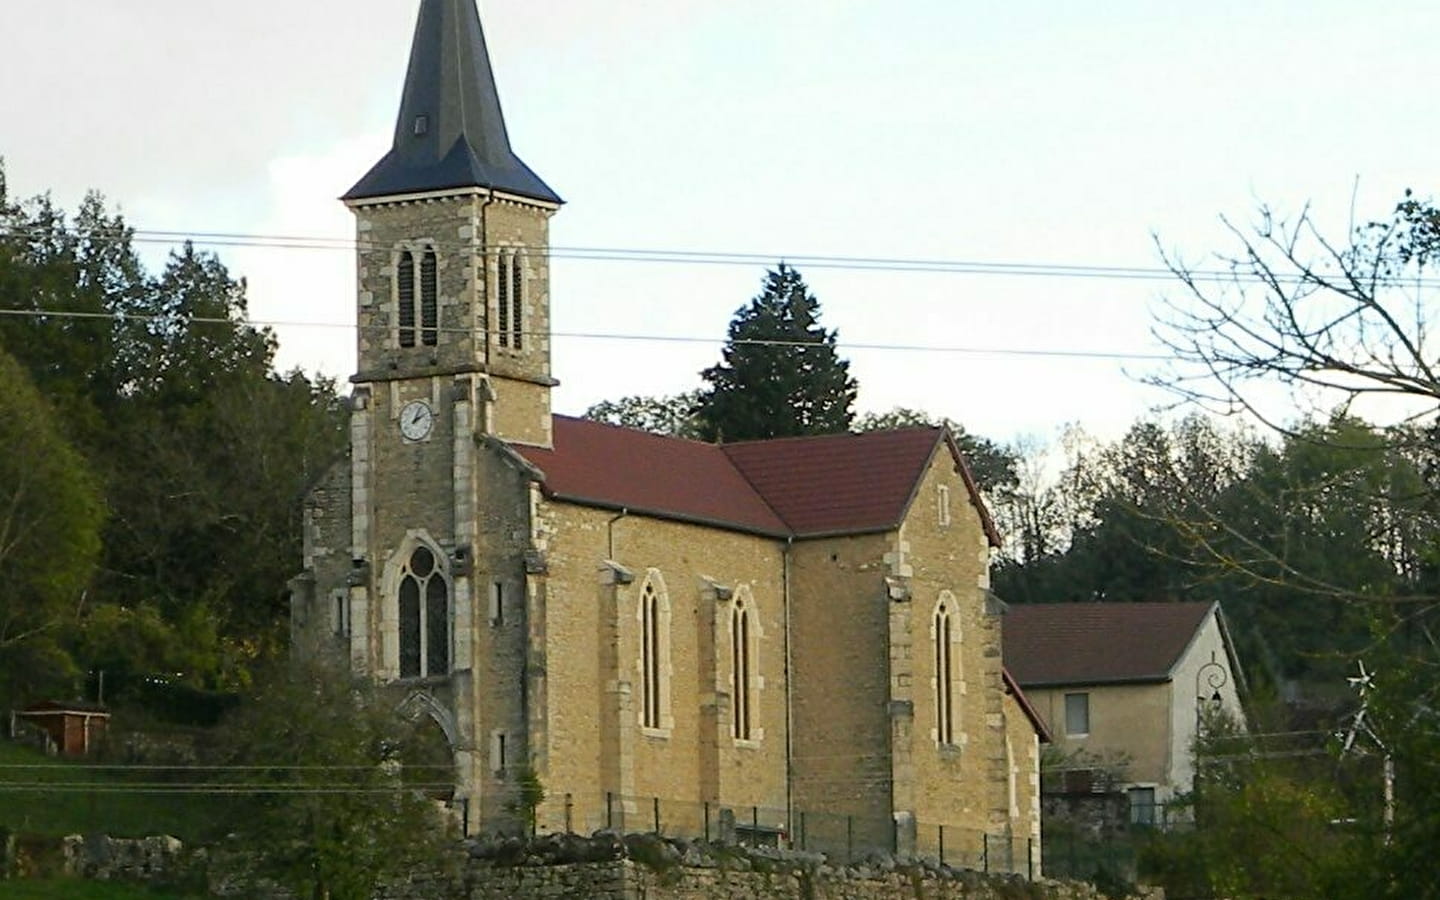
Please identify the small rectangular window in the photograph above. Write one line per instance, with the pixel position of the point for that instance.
(340, 623)
(1142, 806)
(497, 603)
(422, 125)
(1077, 714)
(497, 752)
(943, 501)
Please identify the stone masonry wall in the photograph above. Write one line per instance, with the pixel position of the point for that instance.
(608, 867)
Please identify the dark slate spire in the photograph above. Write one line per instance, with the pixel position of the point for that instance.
(450, 132)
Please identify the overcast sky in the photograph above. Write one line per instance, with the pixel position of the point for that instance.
(1019, 132)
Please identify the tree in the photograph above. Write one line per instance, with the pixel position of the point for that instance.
(672, 415)
(330, 808)
(1301, 319)
(51, 513)
(201, 451)
(780, 375)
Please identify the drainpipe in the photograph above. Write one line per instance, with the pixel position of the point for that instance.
(610, 534)
(789, 673)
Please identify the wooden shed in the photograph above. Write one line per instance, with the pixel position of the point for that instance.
(74, 727)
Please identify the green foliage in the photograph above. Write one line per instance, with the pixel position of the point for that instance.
(671, 415)
(780, 375)
(79, 889)
(51, 513)
(529, 794)
(330, 811)
(201, 452)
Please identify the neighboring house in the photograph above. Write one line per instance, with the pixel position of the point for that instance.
(1126, 682)
(658, 628)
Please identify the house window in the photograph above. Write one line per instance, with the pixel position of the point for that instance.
(429, 300)
(424, 606)
(1077, 715)
(654, 654)
(741, 672)
(943, 502)
(943, 636)
(1142, 806)
(405, 298)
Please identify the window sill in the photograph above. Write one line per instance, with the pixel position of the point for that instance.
(658, 734)
(748, 743)
(424, 679)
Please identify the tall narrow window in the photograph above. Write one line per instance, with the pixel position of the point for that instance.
(1077, 715)
(424, 607)
(429, 301)
(942, 501)
(405, 298)
(650, 657)
(944, 675)
(517, 301)
(502, 299)
(741, 673)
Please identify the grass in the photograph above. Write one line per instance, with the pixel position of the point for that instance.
(52, 797)
(70, 889)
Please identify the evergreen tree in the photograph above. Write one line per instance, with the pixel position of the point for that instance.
(780, 375)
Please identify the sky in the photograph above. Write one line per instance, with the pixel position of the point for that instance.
(1022, 132)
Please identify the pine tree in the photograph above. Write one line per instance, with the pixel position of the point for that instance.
(795, 386)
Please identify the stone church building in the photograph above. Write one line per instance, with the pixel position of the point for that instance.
(746, 632)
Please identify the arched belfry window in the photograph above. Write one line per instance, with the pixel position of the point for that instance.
(405, 298)
(945, 635)
(429, 300)
(427, 316)
(510, 299)
(424, 612)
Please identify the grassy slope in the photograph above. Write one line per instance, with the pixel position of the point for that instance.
(57, 812)
(65, 889)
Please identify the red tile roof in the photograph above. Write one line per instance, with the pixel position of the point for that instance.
(789, 487)
(1050, 644)
(620, 468)
(841, 483)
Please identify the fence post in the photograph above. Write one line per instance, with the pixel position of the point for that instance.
(985, 851)
(942, 845)
(609, 810)
(657, 815)
(1030, 858)
(569, 814)
(754, 823)
(707, 821)
(465, 816)
(802, 830)
(849, 839)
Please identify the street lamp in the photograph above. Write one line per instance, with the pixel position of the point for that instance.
(1212, 675)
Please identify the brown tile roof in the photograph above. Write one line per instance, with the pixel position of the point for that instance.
(1097, 643)
(841, 483)
(620, 468)
(789, 487)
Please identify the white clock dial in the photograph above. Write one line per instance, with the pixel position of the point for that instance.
(416, 420)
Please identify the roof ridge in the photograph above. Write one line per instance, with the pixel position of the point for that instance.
(792, 438)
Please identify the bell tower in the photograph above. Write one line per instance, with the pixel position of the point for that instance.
(453, 238)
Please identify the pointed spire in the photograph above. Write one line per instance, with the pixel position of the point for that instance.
(450, 132)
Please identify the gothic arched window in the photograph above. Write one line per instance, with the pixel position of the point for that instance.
(424, 606)
(944, 635)
(654, 654)
(405, 298)
(742, 672)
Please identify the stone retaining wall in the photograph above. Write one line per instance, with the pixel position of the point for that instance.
(633, 867)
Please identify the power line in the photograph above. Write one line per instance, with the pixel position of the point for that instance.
(694, 257)
(1038, 352)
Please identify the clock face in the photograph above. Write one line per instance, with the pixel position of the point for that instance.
(416, 420)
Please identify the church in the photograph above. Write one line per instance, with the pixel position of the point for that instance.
(789, 640)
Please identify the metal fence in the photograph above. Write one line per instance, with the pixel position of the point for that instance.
(844, 838)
